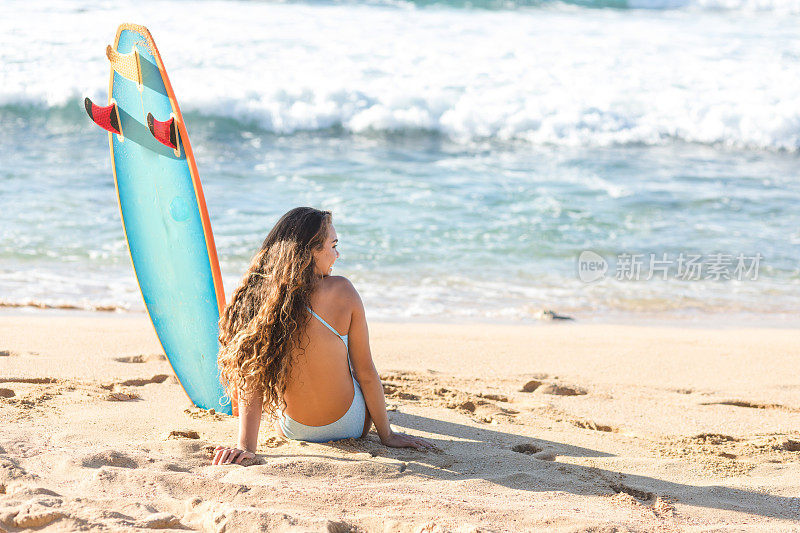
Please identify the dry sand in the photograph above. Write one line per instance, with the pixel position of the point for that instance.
(621, 428)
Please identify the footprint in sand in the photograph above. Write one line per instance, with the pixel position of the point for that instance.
(399, 375)
(314, 466)
(160, 521)
(492, 396)
(536, 381)
(712, 438)
(141, 358)
(555, 389)
(531, 386)
(32, 381)
(340, 527)
(751, 405)
(121, 396)
(108, 458)
(32, 399)
(183, 434)
(130, 359)
(589, 424)
(34, 491)
(158, 378)
(537, 452)
(561, 390)
(482, 410)
(718, 453)
(392, 390)
(663, 507)
(31, 519)
(466, 406)
(773, 443)
(791, 445)
(10, 470)
(527, 448)
(172, 467)
(272, 442)
(203, 414)
(641, 495)
(138, 382)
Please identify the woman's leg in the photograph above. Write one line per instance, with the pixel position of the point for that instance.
(278, 428)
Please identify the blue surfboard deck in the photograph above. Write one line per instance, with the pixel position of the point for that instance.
(171, 248)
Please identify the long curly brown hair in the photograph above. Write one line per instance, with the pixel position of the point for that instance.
(269, 310)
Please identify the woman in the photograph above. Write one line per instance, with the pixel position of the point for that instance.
(281, 350)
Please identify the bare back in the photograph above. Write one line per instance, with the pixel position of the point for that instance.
(320, 389)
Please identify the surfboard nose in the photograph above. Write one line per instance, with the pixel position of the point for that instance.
(106, 117)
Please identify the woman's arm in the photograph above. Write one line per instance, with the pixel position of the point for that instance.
(250, 419)
(363, 366)
(369, 380)
(249, 422)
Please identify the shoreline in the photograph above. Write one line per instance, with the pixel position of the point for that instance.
(690, 319)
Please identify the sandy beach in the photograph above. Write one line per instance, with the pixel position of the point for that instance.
(547, 427)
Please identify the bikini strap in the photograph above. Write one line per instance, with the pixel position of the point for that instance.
(328, 326)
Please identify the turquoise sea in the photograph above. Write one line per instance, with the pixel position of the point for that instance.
(470, 151)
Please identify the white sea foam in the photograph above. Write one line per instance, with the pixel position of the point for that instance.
(429, 229)
(751, 6)
(547, 76)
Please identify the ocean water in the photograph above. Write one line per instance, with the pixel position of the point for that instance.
(469, 150)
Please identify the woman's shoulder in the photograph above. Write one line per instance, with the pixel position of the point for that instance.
(338, 293)
(339, 286)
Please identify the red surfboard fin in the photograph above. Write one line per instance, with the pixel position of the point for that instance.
(105, 117)
(165, 132)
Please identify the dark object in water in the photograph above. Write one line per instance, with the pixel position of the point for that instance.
(548, 314)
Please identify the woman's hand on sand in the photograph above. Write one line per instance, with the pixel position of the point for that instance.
(401, 440)
(224, 455)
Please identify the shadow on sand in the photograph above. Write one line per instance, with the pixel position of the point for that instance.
(540, 475)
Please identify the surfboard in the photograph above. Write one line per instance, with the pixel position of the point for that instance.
(164, 214)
